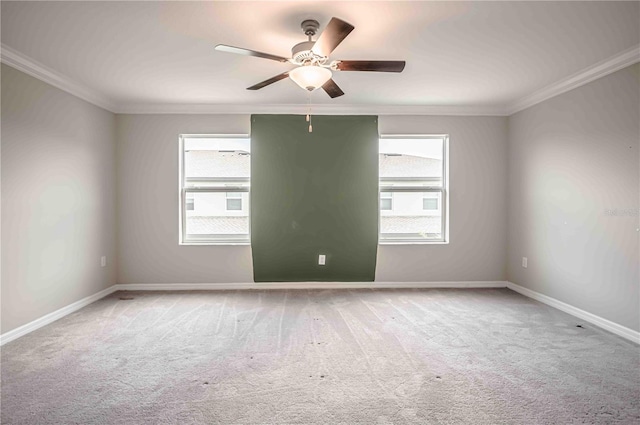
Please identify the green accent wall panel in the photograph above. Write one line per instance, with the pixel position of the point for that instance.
(311, 194)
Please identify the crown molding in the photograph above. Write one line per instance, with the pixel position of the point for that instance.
(31, 67)
(301, 109)
(608, 66)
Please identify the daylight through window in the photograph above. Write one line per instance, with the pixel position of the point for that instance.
(413, 188)
(214, 195)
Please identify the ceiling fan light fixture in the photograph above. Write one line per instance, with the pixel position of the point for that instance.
(311, 58)
(310, 77)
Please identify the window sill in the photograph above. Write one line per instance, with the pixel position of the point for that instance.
(207, 243)
(413, 242)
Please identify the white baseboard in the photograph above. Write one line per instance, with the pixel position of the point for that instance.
(53, 316)
(64, 311)
(608, 325)
(60, 313)
(302, 285)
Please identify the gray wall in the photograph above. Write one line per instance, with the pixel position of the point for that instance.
(568, 161)
(148, 250)
(572, 158)
(478, 204)
(58, 198)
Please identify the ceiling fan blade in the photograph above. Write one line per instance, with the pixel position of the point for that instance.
(335, 31)
(247, 52)
(269, 81)
(376, 66)
(332, 89)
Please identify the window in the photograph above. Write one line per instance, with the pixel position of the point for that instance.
(429, 203)
(190, 202)
(413, 189)
(234, 201)
(386, 201)
(214, 189)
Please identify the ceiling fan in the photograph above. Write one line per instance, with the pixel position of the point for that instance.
(312, 59)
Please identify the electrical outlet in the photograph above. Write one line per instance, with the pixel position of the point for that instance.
(524, 262)
(322, 259)
(103, 261)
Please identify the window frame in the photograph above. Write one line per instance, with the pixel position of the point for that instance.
(403, 239)
(209, 239)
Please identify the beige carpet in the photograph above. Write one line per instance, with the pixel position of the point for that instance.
(320, 357)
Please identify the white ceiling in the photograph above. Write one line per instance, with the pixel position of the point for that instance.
(478, 54)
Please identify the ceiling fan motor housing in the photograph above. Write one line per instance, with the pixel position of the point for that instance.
(301, 52)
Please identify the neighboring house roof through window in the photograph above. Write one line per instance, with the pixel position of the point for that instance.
(225, 164)
(208, 163)
(409, 166)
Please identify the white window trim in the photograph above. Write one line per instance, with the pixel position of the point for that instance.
(182, 194)
(444, 193)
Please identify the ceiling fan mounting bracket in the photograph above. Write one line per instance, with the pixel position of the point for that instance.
(310, 27)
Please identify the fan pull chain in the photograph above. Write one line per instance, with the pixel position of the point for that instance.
(309, 114)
